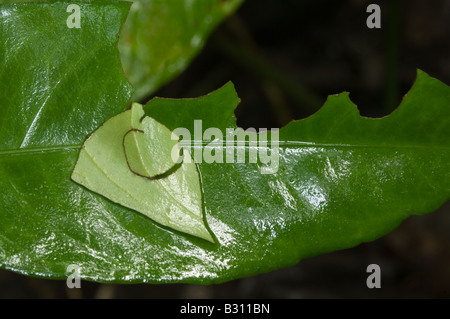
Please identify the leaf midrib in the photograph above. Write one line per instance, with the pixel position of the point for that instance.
(282, 144)
(49, 149)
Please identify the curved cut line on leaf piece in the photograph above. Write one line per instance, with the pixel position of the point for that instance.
(174, 201)
(149, 146)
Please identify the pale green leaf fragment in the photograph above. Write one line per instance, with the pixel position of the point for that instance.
(174, 201)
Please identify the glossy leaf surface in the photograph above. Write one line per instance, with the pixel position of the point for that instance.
(341, 180)
(55, 79)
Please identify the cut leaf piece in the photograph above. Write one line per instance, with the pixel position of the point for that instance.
(149, 147)
(174, 201)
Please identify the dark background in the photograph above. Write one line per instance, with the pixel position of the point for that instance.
(285, 57)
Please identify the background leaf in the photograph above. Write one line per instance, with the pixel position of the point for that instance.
(161, 37)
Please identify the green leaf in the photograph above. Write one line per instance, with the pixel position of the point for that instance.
(341, 179)
(161, 37)
(174, 201)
